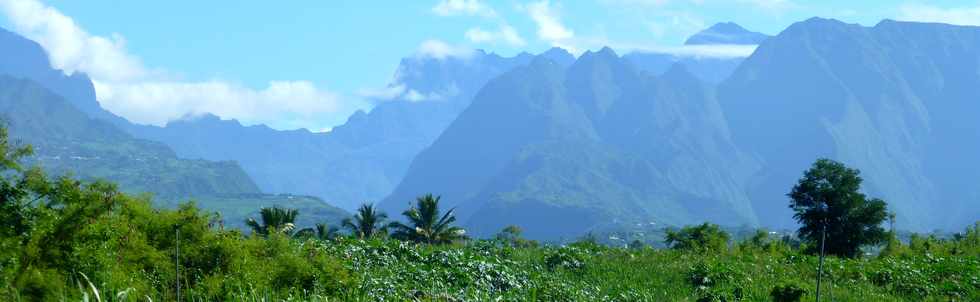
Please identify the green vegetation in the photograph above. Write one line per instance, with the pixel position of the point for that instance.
(65, 240)
(426, 225)
(367, 222)
(705, 237)
(827, 199)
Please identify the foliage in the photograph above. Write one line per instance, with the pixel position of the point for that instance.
(321, 232)
(426, 224)
(367, 222)
(569, 257)
(512, 235)
(702, 238)
(275, 220)
(74, 240)
(787, 292)
(828, 196)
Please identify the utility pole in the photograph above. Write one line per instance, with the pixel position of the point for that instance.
(823, 238)
(177, 266)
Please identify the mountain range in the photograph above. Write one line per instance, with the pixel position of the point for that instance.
(564, 145)
(58, 115)
(599, 143)
(564, 151)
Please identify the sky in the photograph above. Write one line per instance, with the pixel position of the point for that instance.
(310, 64)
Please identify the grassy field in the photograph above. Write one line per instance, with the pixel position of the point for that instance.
(344, 269)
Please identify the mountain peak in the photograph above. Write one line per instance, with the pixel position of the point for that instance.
(606, 51)
(726, 33)
(559, 55)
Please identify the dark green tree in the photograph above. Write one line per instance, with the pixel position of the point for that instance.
(702, 238)
(828, 195)
(426, 225)
(367, 222)
(321, 232)
(274, 220)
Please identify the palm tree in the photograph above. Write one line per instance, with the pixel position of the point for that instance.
(367, 223)
(322, 232)
(426, 224)
(274, 220)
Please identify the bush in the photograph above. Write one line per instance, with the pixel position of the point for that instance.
(566, 258)
(702, 238)
(787, 292)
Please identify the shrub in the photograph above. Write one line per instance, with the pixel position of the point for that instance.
(566, 258)
(702, 238)
(787, 292)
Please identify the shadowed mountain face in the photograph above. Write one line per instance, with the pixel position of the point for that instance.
(592, 146)
(707, 68)
(899, 101)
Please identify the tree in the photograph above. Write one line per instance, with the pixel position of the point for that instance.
(512, 235)
(828, 196)
(274, 220)
(702, 238)
(321, 231)
(367, 223)
(14, 186)
(426, 224)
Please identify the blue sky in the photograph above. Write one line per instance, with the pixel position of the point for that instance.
(294, 64)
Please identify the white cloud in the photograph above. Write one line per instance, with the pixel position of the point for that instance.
(550, 27)
(287, 103)
(636, 3)
(126, 87)
(70, 48)
(463, 7)
(386, 93)
(506, 34)
(926, 13)
(698, 51)
(772, 6)
(695, 51)
(437, 49)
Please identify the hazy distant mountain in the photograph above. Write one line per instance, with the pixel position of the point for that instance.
(68, 141)
(359, 161)
(71, 133)
(564, 151)
(707, 68)
(726, 33)
(898, 100)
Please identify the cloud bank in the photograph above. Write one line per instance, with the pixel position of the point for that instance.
(447, 8)
(126, 87)
(926, 13)
(505, 34)
(550, 27)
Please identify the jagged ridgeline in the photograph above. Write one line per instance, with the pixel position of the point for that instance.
(564, 151)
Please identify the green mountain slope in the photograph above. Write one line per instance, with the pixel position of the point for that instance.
(67, 141)
(561, 152)
(899, 101)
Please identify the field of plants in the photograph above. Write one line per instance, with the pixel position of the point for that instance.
(121, 249)
(66, 240)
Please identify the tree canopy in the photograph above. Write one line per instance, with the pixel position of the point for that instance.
(426, 225)
(828, 195)
(367, 222)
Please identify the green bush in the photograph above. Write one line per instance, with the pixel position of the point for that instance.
(787, 292)
(565, 258)
(702, 238)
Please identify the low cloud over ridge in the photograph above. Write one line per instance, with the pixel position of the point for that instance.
(128, 88)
